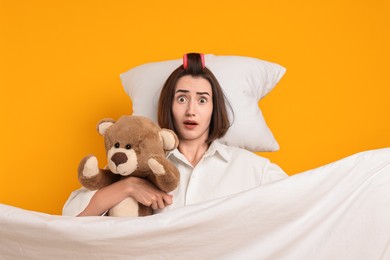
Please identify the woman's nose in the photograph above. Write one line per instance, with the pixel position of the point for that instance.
(190, 109)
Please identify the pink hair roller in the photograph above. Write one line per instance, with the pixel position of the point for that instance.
(185, 61)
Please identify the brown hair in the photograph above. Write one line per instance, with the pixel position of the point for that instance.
(219, 119)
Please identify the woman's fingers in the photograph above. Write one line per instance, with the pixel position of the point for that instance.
(148, 194)
(167, 199)
(161, 202)
(154, 205)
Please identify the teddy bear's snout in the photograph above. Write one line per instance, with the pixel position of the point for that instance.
(119, 158)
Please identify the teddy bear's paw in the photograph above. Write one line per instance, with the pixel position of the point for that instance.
(91, 167)
(156, 167)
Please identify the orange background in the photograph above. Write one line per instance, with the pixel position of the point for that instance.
(60, 63)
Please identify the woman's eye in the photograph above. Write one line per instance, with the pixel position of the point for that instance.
(202, 100)
(181, 99)
(117, 145)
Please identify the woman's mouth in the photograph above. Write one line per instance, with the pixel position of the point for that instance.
(189, 124)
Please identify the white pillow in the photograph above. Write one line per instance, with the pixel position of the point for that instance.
(244, 81)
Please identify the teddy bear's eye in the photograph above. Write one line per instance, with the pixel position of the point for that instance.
(117, 145)
(128, 146)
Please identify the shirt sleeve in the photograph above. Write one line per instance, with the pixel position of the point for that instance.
(272, 172)
(77, 202)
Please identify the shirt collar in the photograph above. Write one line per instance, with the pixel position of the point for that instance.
(217, 147)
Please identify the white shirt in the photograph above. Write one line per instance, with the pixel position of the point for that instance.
(222, 171)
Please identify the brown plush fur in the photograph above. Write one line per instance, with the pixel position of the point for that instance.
(135, 146)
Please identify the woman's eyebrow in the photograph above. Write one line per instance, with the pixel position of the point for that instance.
(187, 91)
(182, 91)
(203, 93)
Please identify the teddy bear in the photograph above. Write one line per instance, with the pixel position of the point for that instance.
(135, 146)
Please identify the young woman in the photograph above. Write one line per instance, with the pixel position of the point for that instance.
(193, 105)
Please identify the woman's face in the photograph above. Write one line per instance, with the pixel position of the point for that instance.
(192, 108)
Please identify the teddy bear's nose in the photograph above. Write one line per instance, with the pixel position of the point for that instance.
(119, 158)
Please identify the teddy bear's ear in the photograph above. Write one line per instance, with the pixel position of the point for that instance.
(169, 139)
(104, 124)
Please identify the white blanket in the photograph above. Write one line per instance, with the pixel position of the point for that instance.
(338, 211)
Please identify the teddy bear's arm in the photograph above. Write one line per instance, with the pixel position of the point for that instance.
(92, 177)
(165, 175)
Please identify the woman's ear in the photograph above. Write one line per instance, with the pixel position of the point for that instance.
(104, 124)
(169, 139)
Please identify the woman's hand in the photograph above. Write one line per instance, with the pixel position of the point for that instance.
(141, 190)
(147, 194)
